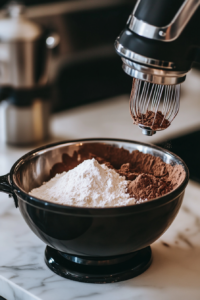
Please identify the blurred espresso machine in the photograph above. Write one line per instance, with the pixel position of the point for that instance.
(24, 90)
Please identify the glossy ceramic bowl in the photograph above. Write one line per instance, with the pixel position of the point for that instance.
(90, 232)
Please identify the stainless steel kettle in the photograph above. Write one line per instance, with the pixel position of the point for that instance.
(22, 43)
(24, 61)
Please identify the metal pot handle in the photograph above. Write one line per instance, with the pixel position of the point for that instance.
(6, 187)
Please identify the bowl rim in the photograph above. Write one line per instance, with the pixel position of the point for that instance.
(98, 211)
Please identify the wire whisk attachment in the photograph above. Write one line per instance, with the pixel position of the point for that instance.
(153, 106)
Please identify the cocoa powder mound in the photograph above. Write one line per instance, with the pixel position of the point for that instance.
(148, 187)
(175, 174)
(149, 176)
(151, 120)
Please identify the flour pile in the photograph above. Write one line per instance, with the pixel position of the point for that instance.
(87, 185)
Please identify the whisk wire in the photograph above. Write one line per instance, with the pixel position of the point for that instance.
(160, 90)
(150, 95)
(145, 98)
(154, 105)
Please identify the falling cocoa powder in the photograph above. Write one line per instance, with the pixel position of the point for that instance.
(149, 176)
(152, 120)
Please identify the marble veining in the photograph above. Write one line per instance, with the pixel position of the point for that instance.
(9, 290)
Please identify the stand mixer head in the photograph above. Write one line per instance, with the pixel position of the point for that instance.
(157, 47)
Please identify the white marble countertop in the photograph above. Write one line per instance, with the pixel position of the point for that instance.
(175, 271)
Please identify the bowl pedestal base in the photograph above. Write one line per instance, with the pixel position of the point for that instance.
(98, 269)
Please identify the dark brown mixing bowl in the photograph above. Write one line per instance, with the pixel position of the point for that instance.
(83, 238)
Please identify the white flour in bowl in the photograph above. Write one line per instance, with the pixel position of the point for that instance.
(88, 185)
